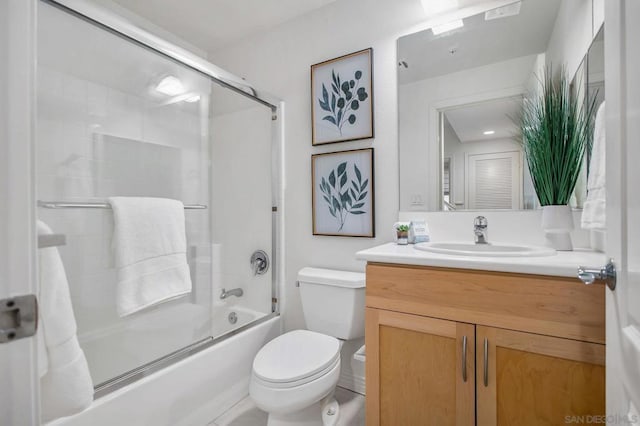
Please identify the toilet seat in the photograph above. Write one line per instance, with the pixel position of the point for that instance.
(296, 358)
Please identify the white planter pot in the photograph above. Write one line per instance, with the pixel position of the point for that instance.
(557, 222)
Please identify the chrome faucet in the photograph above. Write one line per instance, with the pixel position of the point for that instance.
(233, 292)
(480, 230)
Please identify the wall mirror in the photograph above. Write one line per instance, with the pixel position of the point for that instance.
(459, 90)
(595, 68)
(587, 86)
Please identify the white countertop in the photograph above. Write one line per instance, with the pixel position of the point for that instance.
(563, 264)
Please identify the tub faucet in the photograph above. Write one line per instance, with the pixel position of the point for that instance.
(233, 292)
(480, 230)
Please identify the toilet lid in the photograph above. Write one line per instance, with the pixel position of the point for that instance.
(295, 355)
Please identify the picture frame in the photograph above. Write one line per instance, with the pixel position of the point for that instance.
(343, 198)
(342, 98)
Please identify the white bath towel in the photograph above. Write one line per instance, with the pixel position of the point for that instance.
(65, 383)
(594, 211)
(150, 250)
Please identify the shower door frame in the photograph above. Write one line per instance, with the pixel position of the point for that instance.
(20, 370)
(125, 29)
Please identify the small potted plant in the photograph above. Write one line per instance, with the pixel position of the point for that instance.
(556, 131)
(402, 232)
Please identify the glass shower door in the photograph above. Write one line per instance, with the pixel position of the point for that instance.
(241, 213)
(117, 119)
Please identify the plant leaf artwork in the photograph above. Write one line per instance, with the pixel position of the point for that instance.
(345, 100)
(344, 195)
(342, 99)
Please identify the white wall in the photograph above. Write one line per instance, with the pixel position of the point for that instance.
(279, 62)
(577, 24)
(451, 144)
(519, 227)
(418, 119)
(139, 21)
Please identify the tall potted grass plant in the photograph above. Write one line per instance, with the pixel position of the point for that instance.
(556, 132)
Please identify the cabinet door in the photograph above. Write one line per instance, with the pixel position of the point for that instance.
(416, 372)
(531, 379)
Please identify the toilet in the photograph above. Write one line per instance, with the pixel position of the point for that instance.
(294, 375)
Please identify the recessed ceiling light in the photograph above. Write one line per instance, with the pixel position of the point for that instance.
(170, 86)
(488, 132)
(449, 26)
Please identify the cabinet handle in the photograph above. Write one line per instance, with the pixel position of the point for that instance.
(486, 362)
(464, 359)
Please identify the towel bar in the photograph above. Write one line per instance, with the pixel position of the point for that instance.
(96, 205)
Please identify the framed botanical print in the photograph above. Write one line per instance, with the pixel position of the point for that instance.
(342, 193)
(342, 98)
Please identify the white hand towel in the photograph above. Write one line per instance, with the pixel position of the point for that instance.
(594, 211)
(150, 250)
(65, 383)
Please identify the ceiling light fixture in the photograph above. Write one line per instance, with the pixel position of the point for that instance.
(488, 132)
(449, 26)
(503, 12)
(170, 86)
(191, 99)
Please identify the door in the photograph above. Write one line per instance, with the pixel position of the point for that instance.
(494, 181)
(18, 378)
(622, 74)
(439, 352)
(516, 372)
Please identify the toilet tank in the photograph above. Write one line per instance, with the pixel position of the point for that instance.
(333, 301)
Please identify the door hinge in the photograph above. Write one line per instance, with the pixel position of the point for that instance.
(18, 317)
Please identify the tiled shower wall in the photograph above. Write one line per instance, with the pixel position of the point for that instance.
(95, 141)
(104, 130)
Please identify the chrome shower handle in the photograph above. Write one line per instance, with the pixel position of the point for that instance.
(259, 262)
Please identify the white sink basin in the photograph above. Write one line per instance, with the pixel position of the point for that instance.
(485, 250)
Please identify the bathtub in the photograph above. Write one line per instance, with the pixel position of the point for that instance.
(194, 390)
(154, 334)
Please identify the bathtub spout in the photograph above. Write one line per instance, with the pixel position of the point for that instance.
(233, 292)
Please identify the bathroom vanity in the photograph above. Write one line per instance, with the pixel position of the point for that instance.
(454, 340)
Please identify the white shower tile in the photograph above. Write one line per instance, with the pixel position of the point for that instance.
(49, 82)
(75, 139)
(96, 100)
(74, 96)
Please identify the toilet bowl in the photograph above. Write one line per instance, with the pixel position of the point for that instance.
(294, 376)
(294, 372)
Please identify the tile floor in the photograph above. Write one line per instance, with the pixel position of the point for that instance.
(245, 413)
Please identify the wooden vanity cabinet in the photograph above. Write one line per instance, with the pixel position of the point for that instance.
(461, 347)
(536, 380)
(422, 377)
